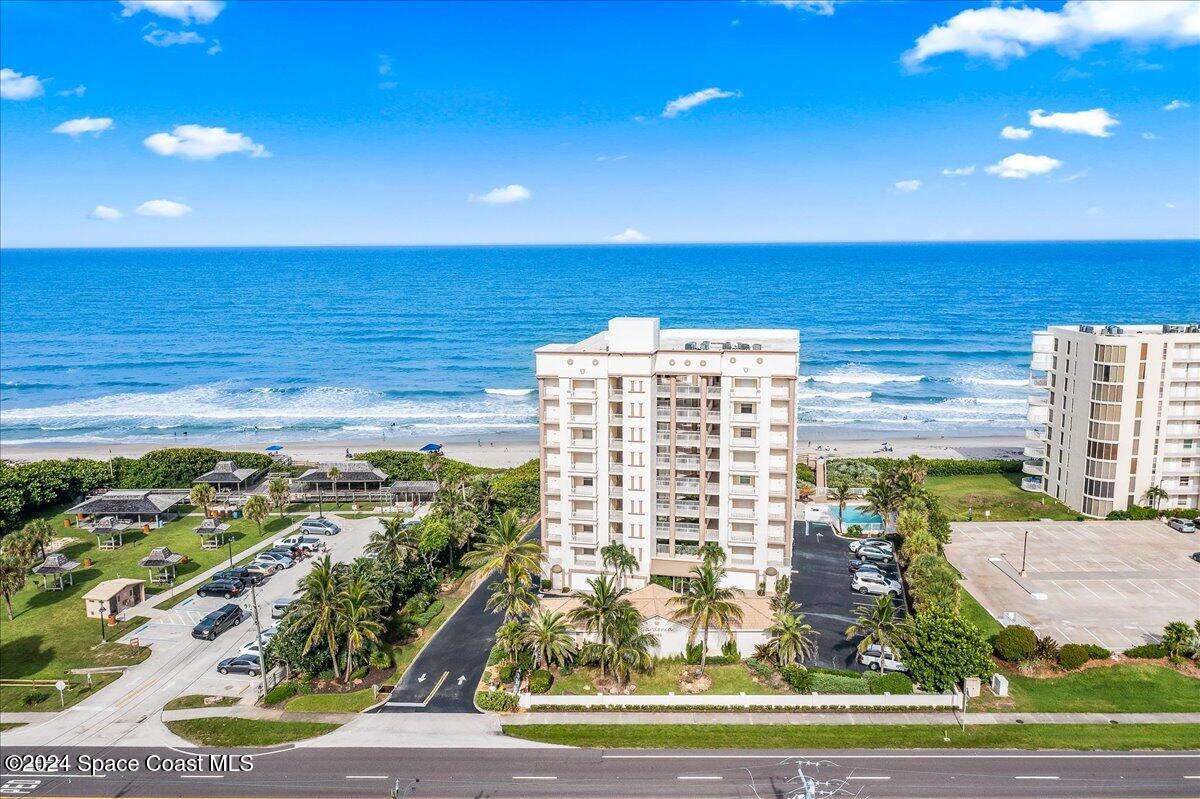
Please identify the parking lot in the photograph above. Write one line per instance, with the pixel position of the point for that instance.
(1110, 583)
(820, 582)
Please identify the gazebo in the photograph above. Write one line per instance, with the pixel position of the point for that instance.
(57, 566)
(414, 490)
(212, 533)
(109, 532)
(161, 563)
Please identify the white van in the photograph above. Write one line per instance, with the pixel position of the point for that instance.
(875, 583)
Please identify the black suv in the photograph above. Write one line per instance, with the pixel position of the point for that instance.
(241, 574)
(226, 588)
(217, 622)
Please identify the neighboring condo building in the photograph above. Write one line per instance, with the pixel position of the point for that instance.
(1115, 410)
(664, 440)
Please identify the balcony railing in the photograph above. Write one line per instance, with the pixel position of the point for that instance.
(1033, 467)
(1032, 484)
(741, 537)
(743, 513)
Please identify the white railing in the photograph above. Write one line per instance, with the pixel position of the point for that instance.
(741, 538)
(1032, 484)
(741, 700)
(1033, 467)
(743, 513)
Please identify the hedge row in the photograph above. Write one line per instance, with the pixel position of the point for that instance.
(941, 467)
(1143, 513)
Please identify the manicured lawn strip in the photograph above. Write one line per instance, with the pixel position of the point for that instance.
(970, 609)
(50, 634)
(405, 654)
(224, 732)
(903, 736)
(999, 493)
(730, 679)
(6, 726)
(349, 702)
(12, 697)
(1132, 688)
(191, 701)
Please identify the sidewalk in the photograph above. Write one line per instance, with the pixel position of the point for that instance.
(950, 718)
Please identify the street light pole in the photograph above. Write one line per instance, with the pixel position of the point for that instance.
(320, 509)
(229, 543)
(1024, 552)
(262, 656)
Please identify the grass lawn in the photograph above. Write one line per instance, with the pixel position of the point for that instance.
(1131, 688)
(904, 736)
(190, 701)
(349, 702)
(6, 726)
(50, 634)
(730, 679)
(970, 610)
(25, 698)
(223, 732)
(999, 493)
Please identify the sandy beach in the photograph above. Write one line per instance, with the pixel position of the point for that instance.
(513, 450)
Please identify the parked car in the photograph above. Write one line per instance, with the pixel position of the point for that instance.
(240, 664)
(218, 622)
(309, 543)
(225, 588)
(242, 575)
(295, 553)
(251, 647)
(878, 659)
(871, 542)
(874, 583)
(1196, 556)
(262, 568)
(280, 559)
(280, 606)
(318, 526)
(269, 633)
(1182, 525)
(873, 555)
(857, 564)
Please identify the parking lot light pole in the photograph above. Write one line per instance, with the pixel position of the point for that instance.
(1024, 552)
(229, 542)
(262, 656)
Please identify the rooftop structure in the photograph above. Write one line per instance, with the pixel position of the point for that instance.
(354, 475)
(139, 505)
(226, 476)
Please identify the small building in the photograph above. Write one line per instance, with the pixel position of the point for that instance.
(161, 563)
(653, 602)
(226, 477)
(109, 532)
(355, 477)
(57, 566)
(414, 490)
(113, 597)
(213, 533)
(138, 506)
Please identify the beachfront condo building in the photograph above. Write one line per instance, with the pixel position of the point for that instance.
(1114, 411)
(665, 440)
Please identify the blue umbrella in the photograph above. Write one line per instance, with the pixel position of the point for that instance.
(431, 448)
(274, 447)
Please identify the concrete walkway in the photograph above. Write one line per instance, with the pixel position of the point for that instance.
(521, 719)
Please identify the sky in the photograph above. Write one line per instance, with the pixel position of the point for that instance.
(198, 122)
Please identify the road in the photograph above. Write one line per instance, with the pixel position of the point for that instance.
(311, 772)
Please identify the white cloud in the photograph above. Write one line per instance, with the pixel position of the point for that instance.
(821, 7)
(908, 186)
(629, 236)
(198, 143)
(1169, 206)
(160, 37)
(186, 11)
(384, 64)
(1000, 32)
(603, 158)
(1010, 132)
(78, 91)
(15, 86)
(167, 208)
(1021, 166)
(504, 195)
(104, 213)
(76, 127)
(388, 85)
(959, 172)
(1176, 105)
(1095, 122)
(1148, 136)
(1083, 173)
(689, 101)
(1094, 211)
(215, 48)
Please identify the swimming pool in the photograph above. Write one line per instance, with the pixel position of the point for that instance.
(857, 515)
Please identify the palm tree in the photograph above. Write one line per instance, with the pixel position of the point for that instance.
(335, 474)
(505, 550)
(790, 637)
(876, 623)
(320, 608)
(434, 462)
(882, 498)
(712, 554)
(203, 495)
(706, 603)
(548, 636)
(39, 533)
(359, 619)
(20, 548)
(841, 494)
(257, 510)
(512, 595)
(620, 560)
(602, 610)
(510, 637)
(394, 543)
(627, 652)
(12, 580)
(279, 491)
(483, 495)
(1154, 496)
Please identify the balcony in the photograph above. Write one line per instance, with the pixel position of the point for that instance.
(583, 514)
(712, 465)
(745, 391)
(742, 513)
(1032, 484)
(582, 443)
(616, 418)
(615, 393)
(743, 467)
(687, 528)
(582, 394)
(1043, 343)
(742, 490)
(616, 515)
(583, 491)
(713, 416)
(1039, 401)
(583, 538)
(1033, 467)
(1038, 414)
(749, 418)
(1036, 433)
(687, 462)
(616, 492)
(742, 442)
(1041, 362)
(583, 418)
(713, 441)
(741, 537)
(581, 467)
(1035, 452)
(687, 438)
(687, 487)
(687, 391)
(1039, 381)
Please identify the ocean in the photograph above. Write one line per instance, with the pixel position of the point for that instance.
(279, 344)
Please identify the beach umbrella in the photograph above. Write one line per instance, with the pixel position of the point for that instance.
(431, 448)
(274, 447)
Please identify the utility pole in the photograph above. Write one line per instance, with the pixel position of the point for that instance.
(229, 542)
(320, 510)
(1024, 552)
(262, 656)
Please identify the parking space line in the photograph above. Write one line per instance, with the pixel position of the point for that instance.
(1114, 589)
(1188, 587)
(1138, 587)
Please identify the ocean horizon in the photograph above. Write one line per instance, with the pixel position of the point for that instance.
(310, 343)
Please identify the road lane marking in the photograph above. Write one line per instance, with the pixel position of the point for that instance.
(699, 777)
(534, 777)
(931, 756)
(1036, 777)
(366, 776)
(857, 777)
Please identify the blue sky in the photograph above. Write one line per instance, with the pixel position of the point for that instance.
(381, 123)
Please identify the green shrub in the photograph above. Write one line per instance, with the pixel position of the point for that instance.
(540, 681)
(1072, 656)
(525, 661)
(891, 683)
(360, 672)
(1097, 652)
(837, 684)
(35, 698)
(1046, 649)
(854, 531)
(834, 672)
(496, 655)
(496, 701)
(760, 668)
(729, 651)
(382, 659)
(692, 653)
(1015, 643)
(1153, 651)
(282, 692)
(798, 678)
(806, 473)
(935, 467)
(507, 673)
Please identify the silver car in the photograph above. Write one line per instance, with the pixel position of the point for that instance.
(1182, 525)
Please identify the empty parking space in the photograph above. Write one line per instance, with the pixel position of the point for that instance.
(1111, 583)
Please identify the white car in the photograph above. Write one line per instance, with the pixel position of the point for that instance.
(280, 606)
(875, 543)
(278, 558)
(881, 660)
(309, 543)
(318, 526)
(875, 583)
(251, 647)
